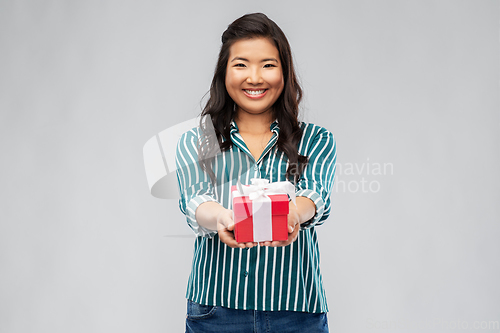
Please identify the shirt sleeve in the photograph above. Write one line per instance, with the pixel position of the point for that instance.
(194, 184)
(316, 182)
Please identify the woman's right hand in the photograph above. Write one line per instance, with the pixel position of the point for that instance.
(225, 228)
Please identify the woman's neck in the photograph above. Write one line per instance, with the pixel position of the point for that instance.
(255, 123)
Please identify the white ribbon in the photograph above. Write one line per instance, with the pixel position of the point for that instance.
(262, 188)
(258, 193)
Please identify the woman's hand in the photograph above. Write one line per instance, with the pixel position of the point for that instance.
(225, 227)
(293, 229)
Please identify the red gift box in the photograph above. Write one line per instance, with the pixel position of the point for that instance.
(256, 221)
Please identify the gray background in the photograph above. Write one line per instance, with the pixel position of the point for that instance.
(83, 85)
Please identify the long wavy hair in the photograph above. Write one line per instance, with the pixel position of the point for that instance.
(220, 106)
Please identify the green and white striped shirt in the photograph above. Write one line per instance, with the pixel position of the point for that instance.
(260, 278)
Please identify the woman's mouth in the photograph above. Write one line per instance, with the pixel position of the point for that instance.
(255, 93)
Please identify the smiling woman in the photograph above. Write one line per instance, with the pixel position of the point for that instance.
(253, 106)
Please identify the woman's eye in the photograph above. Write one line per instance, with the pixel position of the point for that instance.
(269, 65)
(239, 65)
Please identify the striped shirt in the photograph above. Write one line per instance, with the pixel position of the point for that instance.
(260, 278)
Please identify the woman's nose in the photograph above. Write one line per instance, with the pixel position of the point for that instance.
(255, 77)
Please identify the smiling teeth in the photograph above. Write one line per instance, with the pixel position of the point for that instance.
(255, 92)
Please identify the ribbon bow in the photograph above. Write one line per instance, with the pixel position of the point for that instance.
(262, 187)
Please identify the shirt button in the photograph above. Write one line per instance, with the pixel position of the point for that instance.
(246, 274)
(256, 167)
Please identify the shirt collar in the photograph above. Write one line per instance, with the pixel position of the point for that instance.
(274, 127)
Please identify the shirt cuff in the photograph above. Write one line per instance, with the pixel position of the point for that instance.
(191, 216)
(318, 202)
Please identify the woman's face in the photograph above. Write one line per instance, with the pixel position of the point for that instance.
(254, 76)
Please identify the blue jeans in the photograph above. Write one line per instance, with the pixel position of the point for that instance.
(218, 319)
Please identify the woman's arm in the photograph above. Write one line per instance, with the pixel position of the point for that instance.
(195, 187)
(206, 214)
(316, 181)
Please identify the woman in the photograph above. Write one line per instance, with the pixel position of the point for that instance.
(253, 106)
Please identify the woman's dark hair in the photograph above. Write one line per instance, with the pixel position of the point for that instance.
(220, 106)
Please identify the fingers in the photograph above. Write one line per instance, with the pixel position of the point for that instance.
(291, 226)
(227, 237)
(292, 237)
(293, 219)
(225, 230)
(225, 226)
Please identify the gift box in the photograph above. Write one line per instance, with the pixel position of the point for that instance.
(260, 210)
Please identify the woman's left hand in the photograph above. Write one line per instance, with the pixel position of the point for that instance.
(293, 229)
